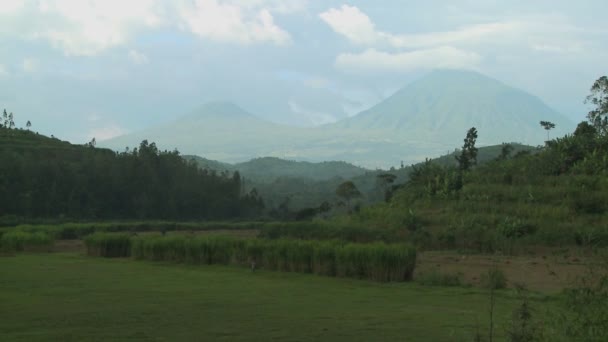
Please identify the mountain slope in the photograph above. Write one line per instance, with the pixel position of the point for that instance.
(443, 105)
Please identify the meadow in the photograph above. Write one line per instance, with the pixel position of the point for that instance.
(71, 297)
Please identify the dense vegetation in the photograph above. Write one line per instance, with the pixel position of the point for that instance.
(377, 261)
(43, 177)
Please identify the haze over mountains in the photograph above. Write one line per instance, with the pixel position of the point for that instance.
(424, 119)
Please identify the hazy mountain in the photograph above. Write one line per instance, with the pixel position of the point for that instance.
(268, 169)
(442, 106)
(424, 119)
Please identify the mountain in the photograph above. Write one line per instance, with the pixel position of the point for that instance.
(427, 118)
(443, 105)
(218, 130)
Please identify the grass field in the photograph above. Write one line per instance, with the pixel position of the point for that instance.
(69, 297)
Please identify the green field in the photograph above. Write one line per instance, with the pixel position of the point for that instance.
(70, 297)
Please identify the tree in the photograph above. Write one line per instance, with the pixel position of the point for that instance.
(11, 121)
(548, 126)
(505, 151)
(599, 98)
(5, 118)
(468, 155)
(348, 191)
(385, 181)
(28, 125)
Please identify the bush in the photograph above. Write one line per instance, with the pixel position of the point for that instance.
(494, 279)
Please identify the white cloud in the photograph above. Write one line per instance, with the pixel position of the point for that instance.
(29, 65)
(547, 32)
(90, 27)
(441, 57)
(137, 57)
(229, 22)
(357, 27)
(350, 22)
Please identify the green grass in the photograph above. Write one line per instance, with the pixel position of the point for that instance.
(67, 297)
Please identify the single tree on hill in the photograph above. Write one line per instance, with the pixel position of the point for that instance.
(599, 98)
(348, 191)
(28, 125)
(468, 155)
(548, 126)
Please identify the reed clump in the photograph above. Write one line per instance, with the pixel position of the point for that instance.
(378, 261)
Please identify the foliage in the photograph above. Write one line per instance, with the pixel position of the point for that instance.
(108, 245)
(524, 327)
(548, 126)
(585, 317)
(45, 178)
(468, 155)
(494, 279)
(376, 261)
(19, 241)
(598, 116)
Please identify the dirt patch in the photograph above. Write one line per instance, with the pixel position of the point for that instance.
(546, 273)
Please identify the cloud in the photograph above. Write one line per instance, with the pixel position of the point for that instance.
(90, 27)
(229, 22)
(137, 57)
(29, 65)
(357, 27)
(350, 22)
(441, 57)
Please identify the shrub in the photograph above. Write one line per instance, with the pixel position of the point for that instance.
(494, 279)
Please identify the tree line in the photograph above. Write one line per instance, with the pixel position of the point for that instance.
(43, 177)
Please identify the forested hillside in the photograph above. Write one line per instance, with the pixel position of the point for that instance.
(556, 195)
(43, 177)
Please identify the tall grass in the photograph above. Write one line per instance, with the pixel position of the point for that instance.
(18, 241)
(108, 245)
(379, 261)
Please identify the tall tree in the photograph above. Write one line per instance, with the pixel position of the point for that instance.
(11, 121)
(548, 126)
(348, 191)
(385, 182)
(28, 125)
(598, 116)
(468, 155)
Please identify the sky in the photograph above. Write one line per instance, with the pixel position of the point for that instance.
(80, 69)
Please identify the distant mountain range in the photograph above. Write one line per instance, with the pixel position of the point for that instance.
(424, 119)
(268, 169)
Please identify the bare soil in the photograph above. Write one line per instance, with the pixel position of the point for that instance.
(550, 271)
